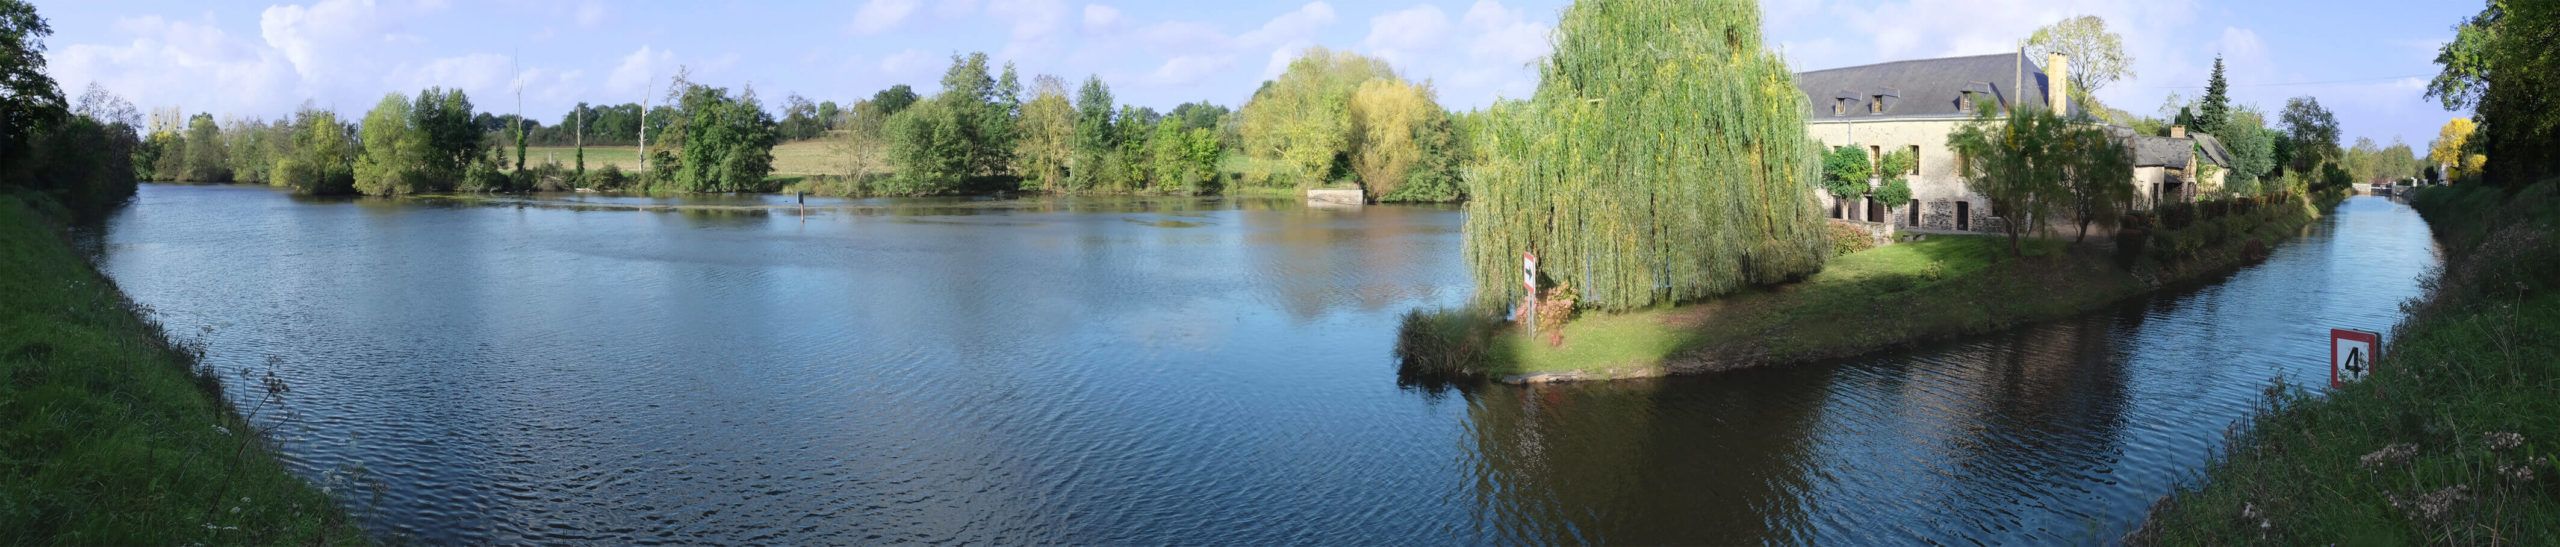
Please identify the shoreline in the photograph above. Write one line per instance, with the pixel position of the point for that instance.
(2449, 441)
(1892, 297)
(115, 432)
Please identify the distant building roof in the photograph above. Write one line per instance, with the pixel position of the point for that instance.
(2213, 150)
(1922, 87)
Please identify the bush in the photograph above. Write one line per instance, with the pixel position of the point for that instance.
(1442, 345)
(1847, 239)
(610, 178)
(2177, 216)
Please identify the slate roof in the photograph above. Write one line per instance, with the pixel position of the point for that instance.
(2150, 151)
(2213, 150)
(1923, 87)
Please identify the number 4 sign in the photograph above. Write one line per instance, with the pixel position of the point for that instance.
(2351, 355)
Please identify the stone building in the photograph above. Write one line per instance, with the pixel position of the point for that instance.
(1913, 105)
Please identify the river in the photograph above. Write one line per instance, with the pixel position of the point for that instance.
(1125, 370)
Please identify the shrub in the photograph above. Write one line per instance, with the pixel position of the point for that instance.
(610, 178)
(2177, 216)
(1442, 345)
(1847, 239)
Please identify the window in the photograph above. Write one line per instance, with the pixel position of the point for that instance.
(1964, 215)
(1875, 159)
(1915, 216)
(1839, 107)
(1964, 102)
(1876, 106)
(1915, 160)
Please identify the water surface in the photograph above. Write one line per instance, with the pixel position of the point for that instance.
(1144, 370)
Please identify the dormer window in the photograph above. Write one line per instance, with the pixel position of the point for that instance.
(1876, 106)
(1839, 107)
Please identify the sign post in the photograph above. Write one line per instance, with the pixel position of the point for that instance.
(2351, 355)
(1529, 279)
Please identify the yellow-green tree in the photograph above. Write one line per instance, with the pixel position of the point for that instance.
(1298, 123)
(2451, 149)
(1048, 135)
(388, 164)
(1385, 117)
(1663, 158)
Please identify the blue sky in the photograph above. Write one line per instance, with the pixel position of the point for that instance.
(2367, 60)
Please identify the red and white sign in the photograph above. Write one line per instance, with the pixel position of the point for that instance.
(1529, 272)
(2351, 355)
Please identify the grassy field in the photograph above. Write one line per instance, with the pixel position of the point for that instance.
(1893, 296)
(2451, 441)
(107, 434)
(799, 158)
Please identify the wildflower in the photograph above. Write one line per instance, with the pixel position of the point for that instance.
(2432, 506)
(2396, 454)
(2503, 440)
(2516, 473)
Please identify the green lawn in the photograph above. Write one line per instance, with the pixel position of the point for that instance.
(797, 158)
(107, 437)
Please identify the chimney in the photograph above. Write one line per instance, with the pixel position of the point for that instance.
(2177, 131)
(2057, 82)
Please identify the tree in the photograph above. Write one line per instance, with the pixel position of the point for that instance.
(2097, 56)
(1445, 153)
(1386, 122)
(1845, 171)
(394, 153)
(2094, 167)
(2213, 113)
(2452, 148)
(2313, 131)
(1298, 123)
(1895, 192)
(2016, 162)
(727, 143)
(2253, 150)
(2500, 65)
(895, 99)
(207, 161)
(1663, 158)
(1096, 144)
(801, 119)
(443, 119)
(322, 156)
(28, 98)
(2364, 160)
(1048, 135)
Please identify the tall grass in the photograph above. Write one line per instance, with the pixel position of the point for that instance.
(111, 435)
(1663, 158)
(2451, 441)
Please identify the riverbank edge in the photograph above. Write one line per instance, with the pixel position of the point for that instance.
(111, 432)
(2450, 441)
(2068, 282)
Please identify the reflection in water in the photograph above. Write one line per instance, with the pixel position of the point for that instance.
(2058, 432)
(1143, 370)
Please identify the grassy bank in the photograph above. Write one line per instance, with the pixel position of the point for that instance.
(795, 158)
(2451, 441)
(109, 435)
(1879, 299)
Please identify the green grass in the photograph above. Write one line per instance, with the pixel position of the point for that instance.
(2474, 361)
(108, 435)
(797, 158)
(1944, 287)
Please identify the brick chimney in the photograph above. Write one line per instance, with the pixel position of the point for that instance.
(2177, 131)
(2057, 79)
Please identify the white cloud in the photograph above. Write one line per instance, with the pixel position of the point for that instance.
(1031, 19)
(1289, 28)
(640, 71)
(955, 8)
(326, 41)
(591, 14)
(480, 75)
(913, 64)
(192, 64)
(1100, 18)
(880, 15)
(1419, 28)
(1188, 69)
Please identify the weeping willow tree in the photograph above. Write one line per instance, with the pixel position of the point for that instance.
(1663, 158)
